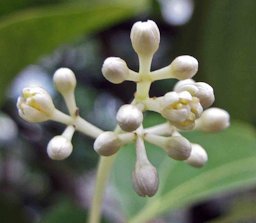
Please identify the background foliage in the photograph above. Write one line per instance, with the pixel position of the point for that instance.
(80, 34)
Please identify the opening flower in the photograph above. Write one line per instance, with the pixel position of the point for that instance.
(35, 105)
(181, 109)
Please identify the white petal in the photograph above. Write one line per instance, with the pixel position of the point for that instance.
(170, 98)
(185, 95)
(175, 115)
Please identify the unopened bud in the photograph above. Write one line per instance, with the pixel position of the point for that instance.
(65, 80)
(198, 156)
(184, 67)
(145, 37)
(107, 143)
(180, 84)
(59, 148)
(145, 179)
(205, 94)
(115, 70)
(213, 120)
(129, 117)
(178, 147)
(35, 105)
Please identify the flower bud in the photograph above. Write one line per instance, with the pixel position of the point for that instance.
(180, 84)
(145, 179)
(115, 70)
(129, 117)
(213, 120)
(59, 148)
(145, 37)
(198, 156)
(107, 143)
(186, 85)
(65, 80)
(35, 105)
(184, 67)
(178, 147)
(205, 94)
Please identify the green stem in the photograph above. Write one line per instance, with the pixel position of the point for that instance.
(70, 101)
(143, 86)
(87, 128)
(69, 132)
(103, 172)
(105, 163)
(142, 91)
(145, 66)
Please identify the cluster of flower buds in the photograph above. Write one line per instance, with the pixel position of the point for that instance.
(36, 105)
(184, 108)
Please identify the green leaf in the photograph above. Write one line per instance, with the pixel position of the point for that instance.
(7, 6)
(222, 38)
(232, 164)
(65, 211)
(27, 35)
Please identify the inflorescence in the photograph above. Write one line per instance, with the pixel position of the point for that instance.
(185, 108)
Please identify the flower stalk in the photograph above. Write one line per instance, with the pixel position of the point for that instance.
(103, 171)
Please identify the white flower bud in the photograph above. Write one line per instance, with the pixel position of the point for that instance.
(129, 117)
(180, 84)
(178, 147)
(184, 67)
(65, 80)
(35, 105)
(59, 148)
(145, 37)
(186, 85)
(205, 94)
(107, 143)
(145, 179)
(213, 120)
(198, 156)
(115, 70)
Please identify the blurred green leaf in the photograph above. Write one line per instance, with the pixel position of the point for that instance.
(27, 35)
(221, 36)
(232, 164)
(7, 6)
(64, 212)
